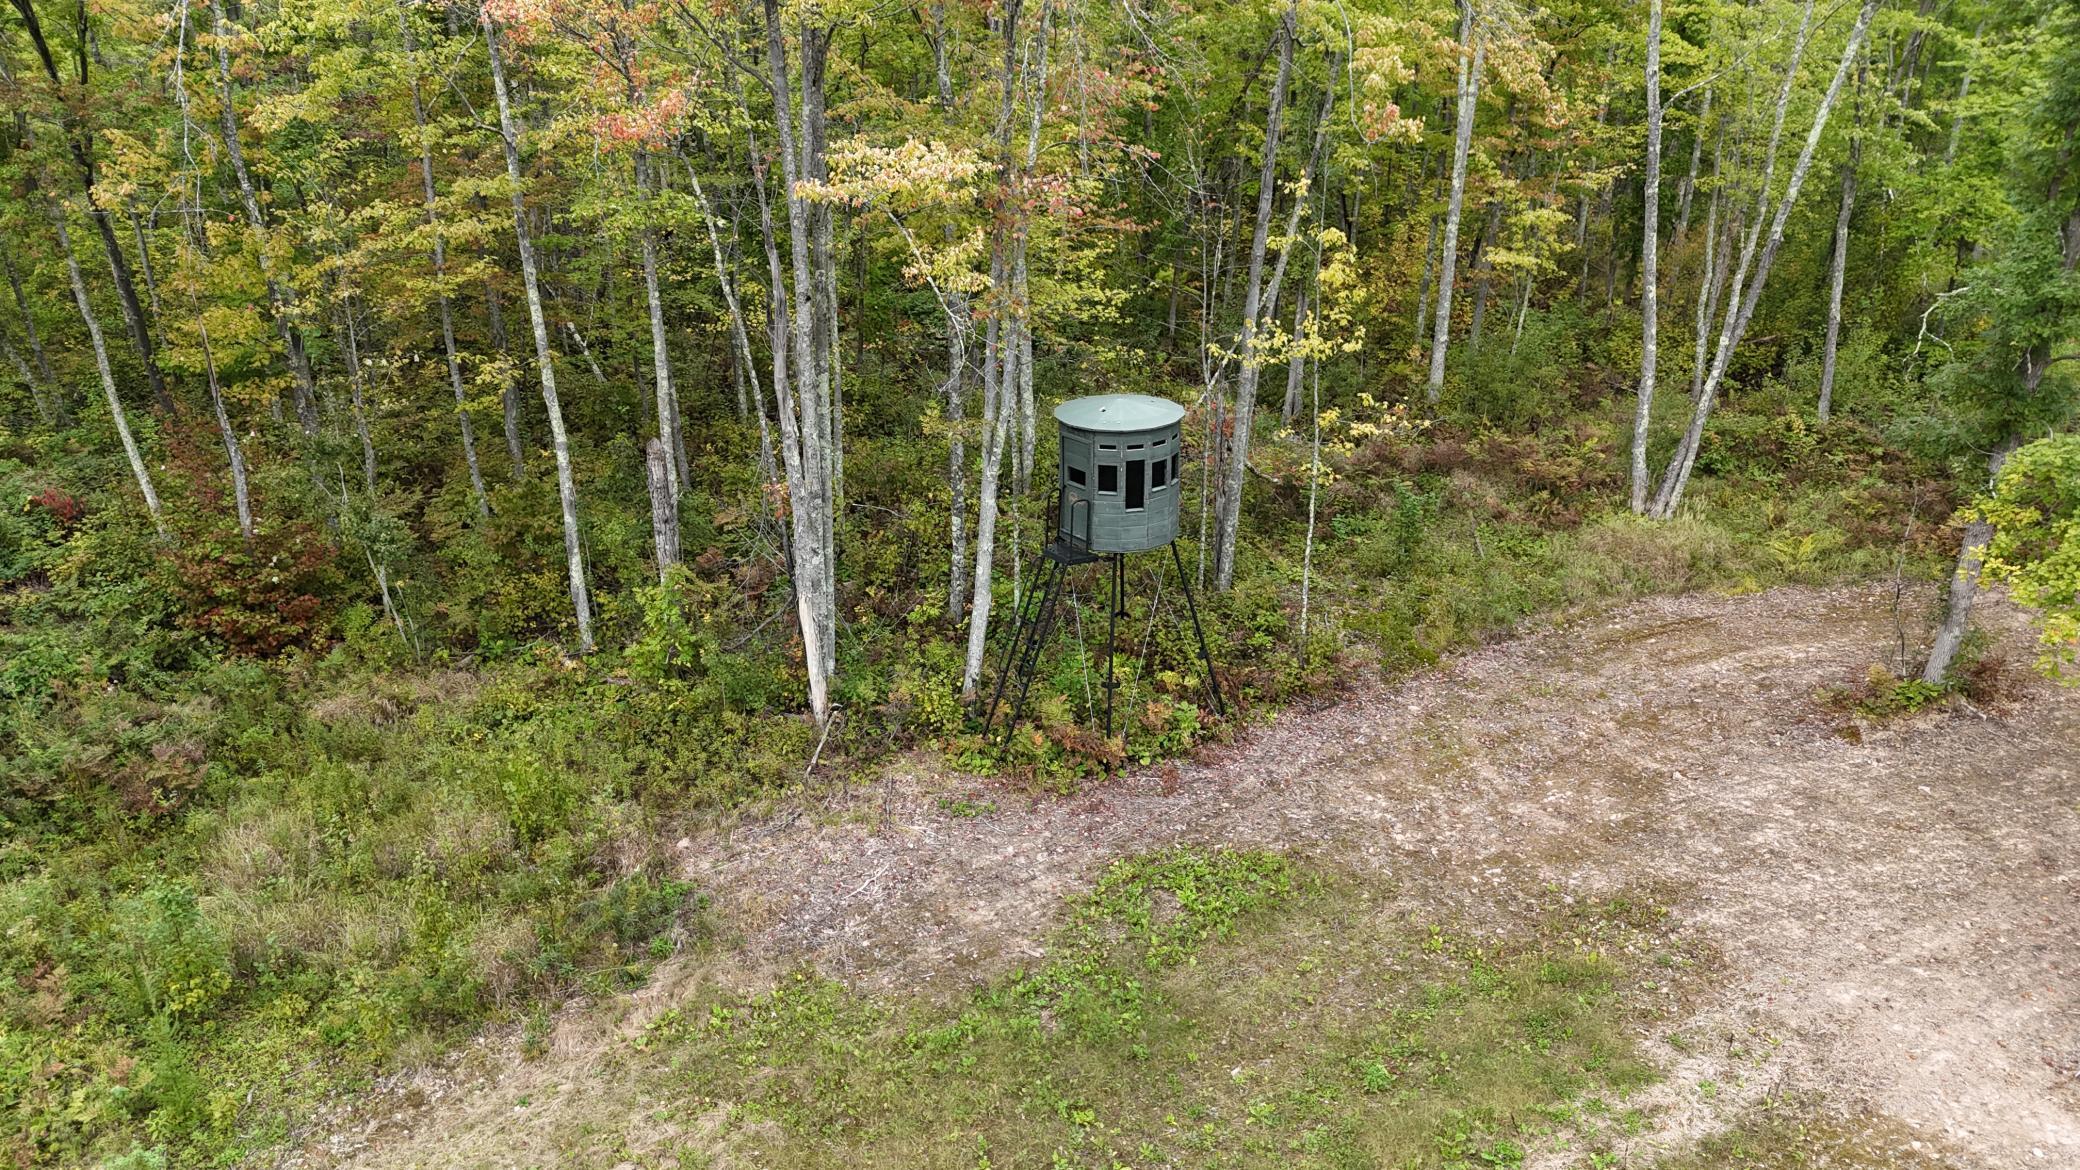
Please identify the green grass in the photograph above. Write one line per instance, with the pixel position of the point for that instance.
(1794, 1132)
(1198, 1009)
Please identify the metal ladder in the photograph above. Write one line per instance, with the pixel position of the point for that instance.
(1029, 634)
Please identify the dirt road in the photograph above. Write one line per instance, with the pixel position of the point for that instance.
(1895, 912)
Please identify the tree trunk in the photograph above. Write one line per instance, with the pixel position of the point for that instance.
(440, 279)
(80, 144)
(1296, 368)
(357, 390)
(281, 294)
(234, 454)
(1483, 286)
(21, 303)
(1971, 556)
(740, 335)
(1837, 270)
(509, 394)
(1423, 285)
(1742, 301)
(1470, 60)
(44, 414)
(108, 379)
(804, 415)
(1964, 581)
(1227, 515)
(667, 397)
(1689, 189)
(995, 422)
(956, 386)
(1246, 378)
(1001, 345)
(50, 402)
(1523, 311)
(566, 484)
(664, 506)
(151, 288)
(1650, 264)
(1964, 89)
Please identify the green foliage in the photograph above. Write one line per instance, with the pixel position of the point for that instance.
(2035, 510)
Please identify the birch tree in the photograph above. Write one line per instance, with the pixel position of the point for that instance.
(1001, 351)
(802, 401)
(566, 483)
(1837, 272)
(79, 144)
(439, 257)
(1746, 291)
(1260, 296)
(1466, 101)
(116, 413)
(1650, 264)
(281, 293)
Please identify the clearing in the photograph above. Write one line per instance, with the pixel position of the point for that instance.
(1874, 927)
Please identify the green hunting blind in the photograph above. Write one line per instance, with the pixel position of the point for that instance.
(1119, 472)
(1116, 492)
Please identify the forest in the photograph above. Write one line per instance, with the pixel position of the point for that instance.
(449, 451)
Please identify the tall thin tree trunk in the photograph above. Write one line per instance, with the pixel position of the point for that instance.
(21, 304)
(44, 414)
(151, 288)
(1711, 285)
(1423, 285)
(956, 386)
(1314, 485)
(1516, 335)
(1689, 189)
(1001, 346)
(1296, 368)
(1227, 515)
(1964, 580)
(1742, 301)
(108, 379)
(805, 440)
(1650, 264)
(440, 277)
(1471, 50)
(357, 390)
(234, 453)
(660, 354)
(1964, 89)
(566, 483)
(1246, 377)
(50, 402)
(664, 506)
(1837, 270)
(1484, 266)
(509, 394)
(81, 146)
(281, 294)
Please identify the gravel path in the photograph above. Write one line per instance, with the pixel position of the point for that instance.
(1894, 907)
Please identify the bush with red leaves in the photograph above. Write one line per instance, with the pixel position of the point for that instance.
(62, 506)
(258, 596)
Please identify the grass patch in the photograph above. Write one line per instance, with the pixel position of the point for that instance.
(1203, 1009)
(1797, 1131)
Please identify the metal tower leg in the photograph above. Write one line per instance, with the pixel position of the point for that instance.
(1112, 636)
(1206, 656)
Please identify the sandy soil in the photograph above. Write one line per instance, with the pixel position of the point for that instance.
(1895, 906)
